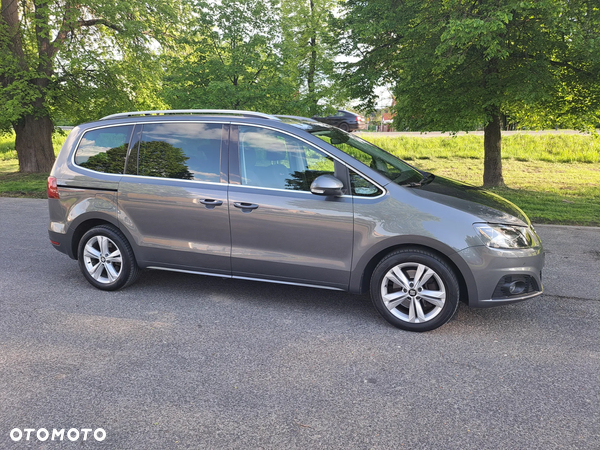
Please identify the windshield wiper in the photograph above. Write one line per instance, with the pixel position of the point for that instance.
(428, 178)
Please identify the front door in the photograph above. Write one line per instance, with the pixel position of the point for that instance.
(281, 231)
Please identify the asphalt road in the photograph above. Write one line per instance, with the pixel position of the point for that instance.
(183, 361)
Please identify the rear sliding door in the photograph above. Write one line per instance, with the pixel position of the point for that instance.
(173, 196)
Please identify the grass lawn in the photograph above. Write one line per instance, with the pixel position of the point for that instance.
(565, 148)
(15, 184)
(559, 193)
(553, 178)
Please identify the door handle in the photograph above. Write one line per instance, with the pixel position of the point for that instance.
(211, 203)
(245, 207)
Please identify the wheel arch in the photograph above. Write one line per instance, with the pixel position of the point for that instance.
(361, 275)
(83, 227)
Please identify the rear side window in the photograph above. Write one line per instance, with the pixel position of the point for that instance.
(187, 151)
(104, 150)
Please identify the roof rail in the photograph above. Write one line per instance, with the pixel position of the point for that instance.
(192, 111)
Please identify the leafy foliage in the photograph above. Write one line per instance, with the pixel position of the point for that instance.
(309, 50)
(459, 65)
(80, 59)
(256, 55)
(161, 159)
(230, 59)
(111, 161)
(453, 63)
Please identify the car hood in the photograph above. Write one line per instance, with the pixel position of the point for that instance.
(472, 199)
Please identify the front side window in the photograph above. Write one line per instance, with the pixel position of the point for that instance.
(383, 162)
(104, 150)
(275, 160)
(186, 151)
(361, 187)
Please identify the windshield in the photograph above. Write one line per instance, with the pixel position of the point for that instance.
(377, 159)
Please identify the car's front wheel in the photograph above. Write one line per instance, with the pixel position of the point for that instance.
(106, 258)
(415, 290)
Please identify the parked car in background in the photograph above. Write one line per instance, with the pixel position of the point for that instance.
(246, 195)
(342, 119)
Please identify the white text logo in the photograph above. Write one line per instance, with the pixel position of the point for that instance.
(72, 434)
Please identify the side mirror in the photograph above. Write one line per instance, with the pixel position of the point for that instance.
(327, 185)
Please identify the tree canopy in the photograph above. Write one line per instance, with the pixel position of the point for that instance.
(230, 58)
(309, 50)
(452, 64)
(458, 65)
(254, 54)
(78, 59)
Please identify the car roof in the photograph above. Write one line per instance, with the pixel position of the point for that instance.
(299, 118)
(209, 112)
(281, 122)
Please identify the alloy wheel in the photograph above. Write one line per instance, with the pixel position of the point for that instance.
(102, 259)
(413, 292)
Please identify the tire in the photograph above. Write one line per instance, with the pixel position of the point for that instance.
(106, 258)
(415, 290)
(344, 126)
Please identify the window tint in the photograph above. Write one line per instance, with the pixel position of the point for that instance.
(104, 150)
(188, 151)
(386, 164)
(362, 187)
(275, 160)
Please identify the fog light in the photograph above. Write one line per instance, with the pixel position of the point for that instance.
(516, 287)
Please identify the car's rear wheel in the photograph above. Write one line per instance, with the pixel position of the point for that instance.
(415, 290)
(106, 258)
(344, 126)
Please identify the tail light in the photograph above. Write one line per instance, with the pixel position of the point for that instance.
(52, 188)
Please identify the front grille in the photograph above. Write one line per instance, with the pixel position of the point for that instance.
(526, 282)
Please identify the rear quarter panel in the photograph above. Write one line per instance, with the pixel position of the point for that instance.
(84, 195)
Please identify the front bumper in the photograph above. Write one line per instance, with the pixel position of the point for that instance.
(490, 267)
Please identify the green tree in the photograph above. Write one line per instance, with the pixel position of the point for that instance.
(161, 159)
(77, 59)
(111, 161)
(456, 64)
(309, 51)
(231, 58)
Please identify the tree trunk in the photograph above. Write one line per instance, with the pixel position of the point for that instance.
(312, 63)
(33, 141)
(34, 144)
(492, 146)
(310, 81)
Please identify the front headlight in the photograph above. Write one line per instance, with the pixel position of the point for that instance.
(506, 236)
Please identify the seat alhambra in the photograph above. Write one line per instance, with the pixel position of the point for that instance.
(251, 196)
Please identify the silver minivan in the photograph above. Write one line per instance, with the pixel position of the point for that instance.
(252, 196)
